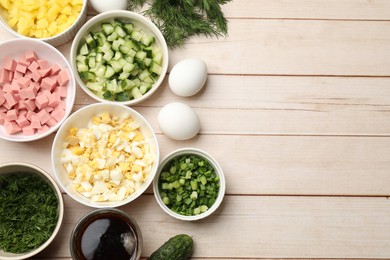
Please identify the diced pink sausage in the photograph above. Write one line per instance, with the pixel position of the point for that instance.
(23, 94)
(21, 68)
(15, 87)
(55, 69)
(49, 108)
(36, 76)
(29, 114)
(43, 129)
(48, 83)
(44, 72)
(33, 66)
(12, 115)
(43, 116)
(23, 112)
(9, 64)
(41, 101)
(43, 64)
(62, 91)
(28, 130)
(52, 122)
(53, 102)
(58, 113)
(18, 74)
(24, 82)
(30, 105)
(35, 85)
(4, 76)
(30, 56)
(2, 98)
(31, 92)
(11, 127)
(35, 123)
(22, 60)
(22, 104)
(63, 78)
(22, 121)
(10, 75)
(10, 99)
(7, 88)
(2, 117)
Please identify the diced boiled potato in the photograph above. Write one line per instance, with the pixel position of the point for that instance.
(41, 18)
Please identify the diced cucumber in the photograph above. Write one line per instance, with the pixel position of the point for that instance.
(128, 27)
(90, 40)
(136, 35)
(109, 72)
(120, 62)
(136, 92)
(107, 28)
(118, 29)
(84, 49)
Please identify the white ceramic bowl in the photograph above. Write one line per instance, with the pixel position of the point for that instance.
(60, 38)
(140, 22)
(218, 171)
(15, 48)
(14, 167)
(80, 119)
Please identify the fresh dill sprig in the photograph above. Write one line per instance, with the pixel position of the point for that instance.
(179, 20)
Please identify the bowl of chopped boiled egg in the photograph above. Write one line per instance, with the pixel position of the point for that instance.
(53, 21)
(105, 155)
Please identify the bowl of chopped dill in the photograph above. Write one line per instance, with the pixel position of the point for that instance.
(31, 210)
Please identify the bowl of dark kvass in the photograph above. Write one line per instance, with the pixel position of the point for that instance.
(106, 234)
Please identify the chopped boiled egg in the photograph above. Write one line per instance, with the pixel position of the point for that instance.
(109, 159)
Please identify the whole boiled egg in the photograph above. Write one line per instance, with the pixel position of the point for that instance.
(188, 77)
(178, 121)
(108, 5)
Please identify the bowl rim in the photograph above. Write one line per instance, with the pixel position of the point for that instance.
(61, 209)
(74, 24)
(114, 204)
(99, 18)
(218, 170)
(95, 212)
(71, 97)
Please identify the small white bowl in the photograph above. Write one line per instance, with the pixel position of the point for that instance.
(15, 167)
(140, 22)
(15, 48)
(57, 39)
(218, 171)
(80, 119)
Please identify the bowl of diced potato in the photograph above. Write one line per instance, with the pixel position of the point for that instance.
(105, 155)
(53, 21)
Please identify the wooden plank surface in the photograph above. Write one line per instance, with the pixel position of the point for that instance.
(296, 110)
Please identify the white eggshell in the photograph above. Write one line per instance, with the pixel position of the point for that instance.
(108, 5)
(187, 77)
(178, 121)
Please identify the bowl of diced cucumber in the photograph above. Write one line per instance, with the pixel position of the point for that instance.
(119, 56)
(189, 184)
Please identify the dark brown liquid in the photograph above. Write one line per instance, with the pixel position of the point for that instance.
(107, 237)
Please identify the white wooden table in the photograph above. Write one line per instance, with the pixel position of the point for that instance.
(297, 112)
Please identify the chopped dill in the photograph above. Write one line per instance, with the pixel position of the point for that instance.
(179, 20)
(28, 212)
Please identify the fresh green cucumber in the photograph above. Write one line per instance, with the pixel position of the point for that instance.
(178, 247)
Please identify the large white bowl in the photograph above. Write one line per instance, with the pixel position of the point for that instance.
(140, 22)
(57, 39)
(16, 47)
(217, 168)
(79, 119)
(15, 167)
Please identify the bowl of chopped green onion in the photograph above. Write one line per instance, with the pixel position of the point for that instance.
(31, 210)
(189, 184)
(119, 56)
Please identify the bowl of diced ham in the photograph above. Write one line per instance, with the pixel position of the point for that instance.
(37, 89)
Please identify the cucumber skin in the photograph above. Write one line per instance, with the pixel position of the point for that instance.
(178, 247)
